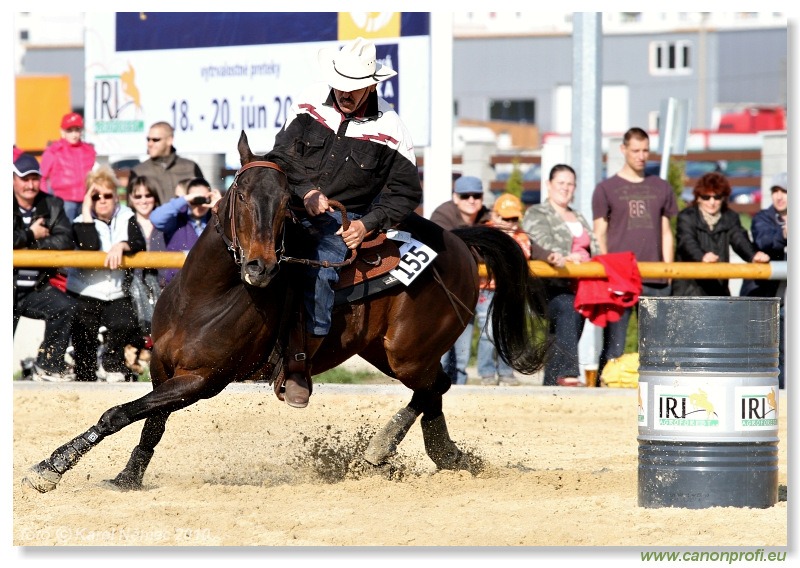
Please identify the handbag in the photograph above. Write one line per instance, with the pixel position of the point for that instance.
(144, 291)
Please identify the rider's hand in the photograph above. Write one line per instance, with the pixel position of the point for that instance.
(316, 203)
(353, 236)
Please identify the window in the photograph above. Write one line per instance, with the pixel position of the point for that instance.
(523, 111)
(670, 58)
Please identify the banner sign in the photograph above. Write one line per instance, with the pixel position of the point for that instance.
(212, 75)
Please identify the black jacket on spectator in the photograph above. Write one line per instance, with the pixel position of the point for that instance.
(695, 239)
(52, 209)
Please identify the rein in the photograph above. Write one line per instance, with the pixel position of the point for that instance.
(233, 242)
(323, 263)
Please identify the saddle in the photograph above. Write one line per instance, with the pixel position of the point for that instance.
(369, 273)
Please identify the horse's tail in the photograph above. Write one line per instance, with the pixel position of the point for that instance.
(519, 305)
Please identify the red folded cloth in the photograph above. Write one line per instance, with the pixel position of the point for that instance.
(603, 300)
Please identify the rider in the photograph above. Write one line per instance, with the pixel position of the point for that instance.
(342, 141)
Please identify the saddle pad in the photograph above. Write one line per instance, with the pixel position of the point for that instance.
(375, 257)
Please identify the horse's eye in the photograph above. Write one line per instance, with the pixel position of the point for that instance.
(240, 195)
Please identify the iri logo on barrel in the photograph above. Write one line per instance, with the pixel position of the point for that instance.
(691, 407)
(758, 408)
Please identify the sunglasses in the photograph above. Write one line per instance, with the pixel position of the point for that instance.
(153, 139)
(510, 219)
(142, 196)
(99, 196)
(475, 196)
(711, 196)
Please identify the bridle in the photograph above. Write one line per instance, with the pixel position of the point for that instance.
(233, 243)
(236, 249)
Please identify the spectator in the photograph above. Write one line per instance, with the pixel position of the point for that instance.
(65, 164)
(147, 283)
(164, 168)
(632, 212)
(707, 230)
(40, 223)
(104, 225)
(770, 234)
(556, 225)
(505, 216)
(466, 209)
(327, 128)
(183, 218)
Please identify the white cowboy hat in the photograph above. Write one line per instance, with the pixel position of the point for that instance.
(352, 67)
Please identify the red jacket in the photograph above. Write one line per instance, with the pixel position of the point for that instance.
(603, 300)
(64, 168)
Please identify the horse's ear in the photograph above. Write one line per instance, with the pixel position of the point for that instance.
(245, 154)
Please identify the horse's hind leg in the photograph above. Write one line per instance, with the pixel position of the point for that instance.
(438, 445)
(133, 473)
(383, 444)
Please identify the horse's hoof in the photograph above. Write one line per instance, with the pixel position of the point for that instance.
(360, 469)
(41, 478)
(123, 483)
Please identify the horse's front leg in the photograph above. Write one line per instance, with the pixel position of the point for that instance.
(167, 397)
(133, 473)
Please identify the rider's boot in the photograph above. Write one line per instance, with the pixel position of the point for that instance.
(300, 350)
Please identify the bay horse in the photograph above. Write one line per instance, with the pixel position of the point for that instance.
(220, 318)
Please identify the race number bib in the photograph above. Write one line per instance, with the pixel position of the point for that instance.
(414, 258)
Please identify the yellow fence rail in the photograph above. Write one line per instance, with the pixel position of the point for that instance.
(675, 270)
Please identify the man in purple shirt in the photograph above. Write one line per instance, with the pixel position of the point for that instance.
(183, 218)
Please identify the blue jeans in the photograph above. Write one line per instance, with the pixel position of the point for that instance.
(318, 294)
(615, 332)
(72, 209)
(489, 363)
(566, 327)
(455, 361)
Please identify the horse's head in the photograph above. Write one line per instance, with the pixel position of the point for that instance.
(252, 216)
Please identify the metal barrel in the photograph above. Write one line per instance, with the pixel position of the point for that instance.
(708, 402)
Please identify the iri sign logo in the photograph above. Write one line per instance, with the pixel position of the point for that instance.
(757, 408)
(688, 408)
(117, 103)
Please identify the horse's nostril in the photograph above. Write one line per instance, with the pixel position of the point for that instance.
(255, 267)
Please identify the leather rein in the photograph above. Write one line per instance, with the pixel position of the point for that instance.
(236, 249)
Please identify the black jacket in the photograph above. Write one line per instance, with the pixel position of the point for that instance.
(695, 239)
(767, 231)
(365, 163)
(52, 209)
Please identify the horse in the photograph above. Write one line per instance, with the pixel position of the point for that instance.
(224, 315)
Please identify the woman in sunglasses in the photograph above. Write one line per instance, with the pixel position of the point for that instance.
(101, 293)
(707, 230)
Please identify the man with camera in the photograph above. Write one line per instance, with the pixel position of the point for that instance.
(184, 217)
(40, 223)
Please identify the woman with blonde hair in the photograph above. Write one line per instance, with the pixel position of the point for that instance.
(101, 295)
